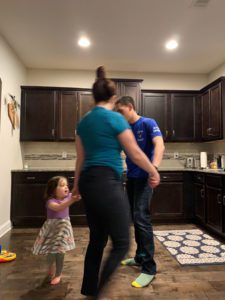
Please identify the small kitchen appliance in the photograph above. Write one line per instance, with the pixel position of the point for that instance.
(189, 162)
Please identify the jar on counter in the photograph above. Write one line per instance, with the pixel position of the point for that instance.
(213, 165)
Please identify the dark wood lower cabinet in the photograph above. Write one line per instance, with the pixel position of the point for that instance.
(27, 203)
(181, 197)
(199, 207)
(214, 208)
(167, 201)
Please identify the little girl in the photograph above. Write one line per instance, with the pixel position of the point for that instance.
(56, 234)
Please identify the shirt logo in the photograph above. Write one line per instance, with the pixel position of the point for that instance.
(139, 135)
(156, 129)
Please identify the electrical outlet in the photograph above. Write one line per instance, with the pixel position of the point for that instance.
(176, 155)
(64, 154)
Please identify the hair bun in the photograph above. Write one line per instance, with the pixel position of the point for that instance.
(100, 72)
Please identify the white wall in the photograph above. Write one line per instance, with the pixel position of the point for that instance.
(12, 74)
(85, 79)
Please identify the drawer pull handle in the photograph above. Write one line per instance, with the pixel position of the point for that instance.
(202, 193)
(30, 177)
(223, 200)
(71, 177)
(164, 177)
(219, 199)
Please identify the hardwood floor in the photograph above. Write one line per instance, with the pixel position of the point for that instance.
(24, 278)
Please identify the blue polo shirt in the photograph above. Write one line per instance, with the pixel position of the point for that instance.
(144, 130)
(98, 131)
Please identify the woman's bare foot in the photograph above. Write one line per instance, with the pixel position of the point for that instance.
(56, 280)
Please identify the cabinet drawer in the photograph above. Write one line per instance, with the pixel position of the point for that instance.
(40, 177)
(199, 178)
(213, 180)
(167, 176)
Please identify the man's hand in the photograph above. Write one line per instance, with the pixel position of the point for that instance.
(154, 180)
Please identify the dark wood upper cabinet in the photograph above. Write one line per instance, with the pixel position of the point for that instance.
(212, 113)
(68, 118)
(129, 87)
(52, 114)
(38, 115)
(85, 103)
(183, 117)
(155, 106)
(174, 113)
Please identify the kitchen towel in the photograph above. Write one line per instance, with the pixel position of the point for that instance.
(192, 247)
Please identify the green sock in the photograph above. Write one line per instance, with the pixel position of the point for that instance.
(142, 280)
(129, 262)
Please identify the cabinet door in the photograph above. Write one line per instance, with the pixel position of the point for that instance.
(67, 120)
(205, 115)
(199, 202)
(129, 88)
(215, 131)
(38, 109)
(155, 106)
(212, 113)
(214, 208)
(28, 206)
(167, 201)
(85, 103)
(183, 117)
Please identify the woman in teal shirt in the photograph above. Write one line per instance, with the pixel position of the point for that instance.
(101, 135)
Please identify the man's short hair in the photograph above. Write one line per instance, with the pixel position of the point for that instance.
(125, 100)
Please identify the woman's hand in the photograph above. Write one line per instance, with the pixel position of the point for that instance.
(154, 179)
(75, 194)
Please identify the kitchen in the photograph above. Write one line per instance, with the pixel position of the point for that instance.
(27, 29)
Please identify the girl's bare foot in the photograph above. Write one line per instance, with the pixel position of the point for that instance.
(56, 280)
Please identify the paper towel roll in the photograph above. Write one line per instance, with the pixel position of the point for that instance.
(203, 160)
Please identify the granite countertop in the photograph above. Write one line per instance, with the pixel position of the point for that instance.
(163, 169)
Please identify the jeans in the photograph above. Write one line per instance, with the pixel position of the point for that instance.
(108, 214)
(140, 195)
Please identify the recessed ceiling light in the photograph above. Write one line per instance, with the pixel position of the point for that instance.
(84, 42)
(172, 44)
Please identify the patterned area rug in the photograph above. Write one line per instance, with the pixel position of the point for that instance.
(192, 247)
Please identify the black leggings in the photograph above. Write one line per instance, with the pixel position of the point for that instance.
(108, 214)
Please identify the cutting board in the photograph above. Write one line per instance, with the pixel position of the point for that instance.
(12, 113)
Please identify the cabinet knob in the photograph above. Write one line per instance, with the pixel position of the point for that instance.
(53, 132)
(166, 133)
(173, 132)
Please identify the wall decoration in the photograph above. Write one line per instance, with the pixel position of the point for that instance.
(13, 106)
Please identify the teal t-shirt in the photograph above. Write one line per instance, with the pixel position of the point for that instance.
(98, 131)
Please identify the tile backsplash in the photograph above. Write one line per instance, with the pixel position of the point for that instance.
(55, 155)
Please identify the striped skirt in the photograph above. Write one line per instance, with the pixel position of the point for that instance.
(55, 236)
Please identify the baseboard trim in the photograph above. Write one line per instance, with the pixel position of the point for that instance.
(5, 227)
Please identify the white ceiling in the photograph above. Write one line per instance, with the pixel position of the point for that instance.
(126, 35)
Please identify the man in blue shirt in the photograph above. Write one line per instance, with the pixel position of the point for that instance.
(149, 139)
